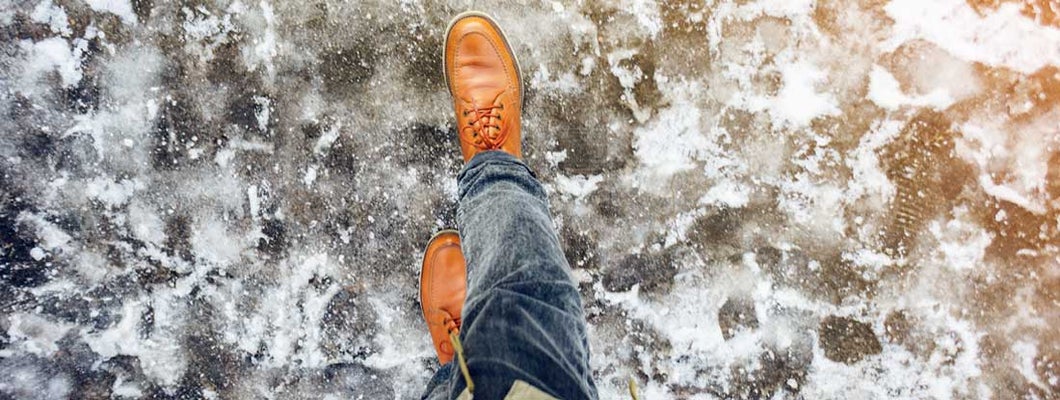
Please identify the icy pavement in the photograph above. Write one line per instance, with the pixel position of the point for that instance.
(772, 199)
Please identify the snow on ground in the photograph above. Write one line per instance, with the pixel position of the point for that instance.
(760, 199)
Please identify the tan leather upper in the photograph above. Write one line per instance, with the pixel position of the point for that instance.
(484, 80)
(443, 286)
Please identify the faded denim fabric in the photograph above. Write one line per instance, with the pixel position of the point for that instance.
(523, 318)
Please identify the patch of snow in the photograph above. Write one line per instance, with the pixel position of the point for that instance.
(51, 237)
(798, 101)
(262, 44)
(211, 241)
(35, 334)
(91, 266)
(1012, 159)
(1011, 195)
(254, 202)
(962, 244)
(122, 8)
(146, 224)
(37, 253)
(289, 333)
(310, 175)
(205, 32)
(111, 193)
(775, 8)
(672, 141)
(1001, 38)
(262, 115)
(1027, 352)
(24, 379)
(885, 91)
(52, 15)
(327, 139)
(126, 389)
(555, 157)
(160, 355)
(578, 186)
(53, 54)
(565, 83)
(646, 13)
(628, 77)
(870, 258)
(727, 193)
(869, 179)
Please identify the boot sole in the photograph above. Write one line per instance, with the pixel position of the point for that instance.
(504, 38)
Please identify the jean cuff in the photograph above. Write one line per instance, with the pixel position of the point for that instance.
(492, 157)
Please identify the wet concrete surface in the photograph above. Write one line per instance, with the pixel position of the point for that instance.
(757, 199)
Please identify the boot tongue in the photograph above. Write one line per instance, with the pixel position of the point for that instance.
(484, 102)
(493, 132)
(484, 97)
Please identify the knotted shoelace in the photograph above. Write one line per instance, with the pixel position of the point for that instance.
(480, 125)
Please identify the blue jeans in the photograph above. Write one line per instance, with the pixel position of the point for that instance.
(523, 317)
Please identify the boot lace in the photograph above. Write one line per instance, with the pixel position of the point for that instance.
(478, 127)
(452, 325)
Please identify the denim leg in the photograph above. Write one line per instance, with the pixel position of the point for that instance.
(438, 387)
(523, 317)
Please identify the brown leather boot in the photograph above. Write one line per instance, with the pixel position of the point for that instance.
(487, 88)
(443, 286)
